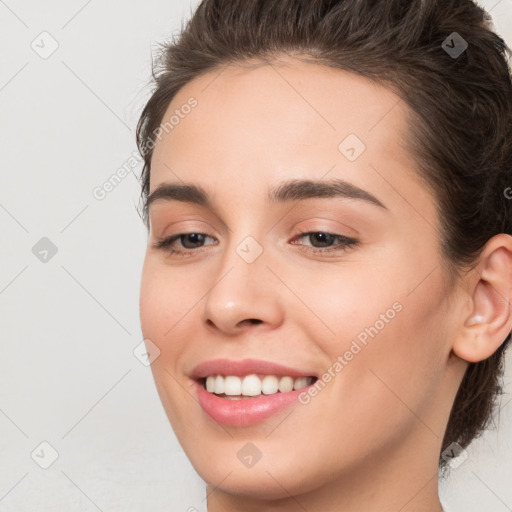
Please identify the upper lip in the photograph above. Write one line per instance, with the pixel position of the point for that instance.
(245, 367)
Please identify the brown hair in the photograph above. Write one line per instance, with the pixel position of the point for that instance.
(460, 130)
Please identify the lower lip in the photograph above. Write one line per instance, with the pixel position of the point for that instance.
(244, 412)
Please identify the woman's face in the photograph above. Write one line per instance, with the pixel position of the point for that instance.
(315, 255)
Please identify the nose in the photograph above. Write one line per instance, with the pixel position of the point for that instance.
(243, 296)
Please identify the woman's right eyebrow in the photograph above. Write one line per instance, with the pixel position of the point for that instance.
(293, 190)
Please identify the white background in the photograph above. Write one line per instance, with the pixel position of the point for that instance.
(70, 325)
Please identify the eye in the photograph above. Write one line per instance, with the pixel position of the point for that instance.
(189, 242)
(322, 242)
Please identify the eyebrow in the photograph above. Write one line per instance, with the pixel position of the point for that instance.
(293, 190)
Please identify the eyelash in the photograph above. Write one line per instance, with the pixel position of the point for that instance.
(346, 243)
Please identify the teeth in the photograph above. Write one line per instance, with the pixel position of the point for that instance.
(252, 385)
(269, 385)
(232, 385)
(285, 384)
(300, 383)
(210, 384)
(219, 384)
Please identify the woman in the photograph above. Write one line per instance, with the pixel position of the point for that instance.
(328, 274)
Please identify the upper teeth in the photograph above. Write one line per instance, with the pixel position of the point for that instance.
(253, 385)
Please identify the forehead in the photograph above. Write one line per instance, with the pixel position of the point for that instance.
(275, 120)
(290, 101)
(242, 108)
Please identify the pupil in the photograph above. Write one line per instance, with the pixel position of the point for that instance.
(196, 238)
(324, 238)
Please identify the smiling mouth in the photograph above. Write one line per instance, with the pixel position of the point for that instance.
(232, 387)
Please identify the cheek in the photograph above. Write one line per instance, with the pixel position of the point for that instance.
(349, 303)
(395, 353)
(166, 298)
(166, 308)
(153, 303)
(384, 330)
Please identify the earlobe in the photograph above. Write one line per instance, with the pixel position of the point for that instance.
(490, 321)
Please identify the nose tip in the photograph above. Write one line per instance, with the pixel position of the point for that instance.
(244, 299)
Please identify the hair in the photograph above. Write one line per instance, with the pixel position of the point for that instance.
(459, 124)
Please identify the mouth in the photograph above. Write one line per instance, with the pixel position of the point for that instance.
(247, 392)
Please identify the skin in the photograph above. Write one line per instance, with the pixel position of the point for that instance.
(370, 440)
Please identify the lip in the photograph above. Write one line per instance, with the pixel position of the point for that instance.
(245, 412)
(245, 367)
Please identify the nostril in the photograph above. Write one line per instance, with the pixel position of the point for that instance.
(247, 321)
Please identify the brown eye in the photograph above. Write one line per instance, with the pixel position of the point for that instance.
(322, 242)
(188, 242)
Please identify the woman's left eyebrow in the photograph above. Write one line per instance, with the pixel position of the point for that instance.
(293, 190)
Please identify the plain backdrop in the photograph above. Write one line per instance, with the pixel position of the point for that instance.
(73, 78)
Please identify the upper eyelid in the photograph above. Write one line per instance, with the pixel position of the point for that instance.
(313, 213)
(320, 219)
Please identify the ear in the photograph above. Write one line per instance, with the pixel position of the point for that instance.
(490, 321)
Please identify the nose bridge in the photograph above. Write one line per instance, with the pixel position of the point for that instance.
(243, 291)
